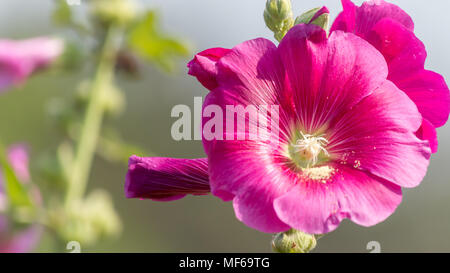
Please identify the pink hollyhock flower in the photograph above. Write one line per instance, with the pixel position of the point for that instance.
(19, 59)
(26, 239)
(391, 30)
(347, 136)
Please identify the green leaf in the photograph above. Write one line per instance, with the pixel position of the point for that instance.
(15, 190)
(148, 41)
(62, 15)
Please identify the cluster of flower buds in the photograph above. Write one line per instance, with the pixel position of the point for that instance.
(87, 221)
(278, 17)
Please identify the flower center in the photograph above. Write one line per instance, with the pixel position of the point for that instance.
(310, 147)
(308, 150)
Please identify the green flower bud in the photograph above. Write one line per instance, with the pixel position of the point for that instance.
(278, 17)
(316, 16)
(87, 221)
(113, 100)
(120, 12)
(293, 241)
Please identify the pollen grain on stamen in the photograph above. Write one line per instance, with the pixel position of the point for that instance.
(319, 174)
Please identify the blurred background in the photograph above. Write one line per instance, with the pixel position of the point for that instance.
(206, 224)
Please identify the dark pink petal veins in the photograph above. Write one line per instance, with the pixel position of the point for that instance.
(252, 74)
(328, 76)
(246, 171)
(378, 136)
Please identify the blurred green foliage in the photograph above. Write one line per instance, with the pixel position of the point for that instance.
(151, 43)
(62, 14)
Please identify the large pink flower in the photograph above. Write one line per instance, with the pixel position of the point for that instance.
(391, 30)
(347, 135)
(19, 59)
(26, 239)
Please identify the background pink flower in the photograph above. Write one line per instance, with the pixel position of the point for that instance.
(19, 59)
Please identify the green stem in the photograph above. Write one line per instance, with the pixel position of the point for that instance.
(93, 119)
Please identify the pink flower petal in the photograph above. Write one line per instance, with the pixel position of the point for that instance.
(7, 76)
(360, 20)
(318, 208)
(166, 179)
(430, 93)
(253, 71)
(390, 30)
(346, 20)
(403, 51)
(21, 242)
(428, 132)
(377, 136)
(406, 56)
(18, 158)
(250, 74)
(203, 66)
(328, 76)
(246, 170)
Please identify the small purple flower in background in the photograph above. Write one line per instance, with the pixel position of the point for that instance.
(19, 59)
(358, 113)
(26, 239)
(391, 30)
